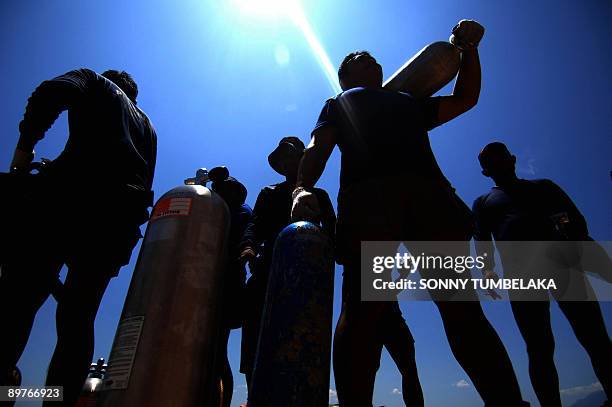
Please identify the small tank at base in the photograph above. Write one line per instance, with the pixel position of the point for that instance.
(164, 351)
(93, 384)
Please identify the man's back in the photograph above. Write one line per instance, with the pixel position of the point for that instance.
(84, 212)
(111, 141)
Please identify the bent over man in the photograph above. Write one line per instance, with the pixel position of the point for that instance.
(85, 213)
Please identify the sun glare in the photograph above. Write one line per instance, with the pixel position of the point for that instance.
(292, 10)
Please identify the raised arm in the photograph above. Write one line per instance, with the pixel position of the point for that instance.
(44, 106)
(466, 91)
(466, 37)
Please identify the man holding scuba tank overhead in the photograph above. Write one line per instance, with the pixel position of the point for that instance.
(386, 157)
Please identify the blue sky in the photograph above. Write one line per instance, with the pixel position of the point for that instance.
(223, 86)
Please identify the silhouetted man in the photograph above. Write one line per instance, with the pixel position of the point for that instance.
(272, 213)
(234, 193)
(529, 210)
(391, 188)
(85, 213)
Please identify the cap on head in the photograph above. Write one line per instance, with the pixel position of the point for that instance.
(287, 148)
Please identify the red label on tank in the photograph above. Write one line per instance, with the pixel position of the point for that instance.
(172, 207)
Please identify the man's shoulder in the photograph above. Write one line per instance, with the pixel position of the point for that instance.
(487, 199)
(271, 195)
(542, 182)
(540, 185)
(91, 77)
(86, 72)
(548, 191)
(483, 198)
(79, 78)
(273, 189)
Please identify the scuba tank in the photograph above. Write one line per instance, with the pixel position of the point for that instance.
(432, 68)
(93, 384)
(164, 351)
(292, 364)
(428, 71)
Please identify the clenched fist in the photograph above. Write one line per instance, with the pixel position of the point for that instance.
(467, 34)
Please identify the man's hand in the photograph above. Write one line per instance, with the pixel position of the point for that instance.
(467, 86)
(491, 275)
(21, 160)
(305, 206)
(466, 35)
(248, 255)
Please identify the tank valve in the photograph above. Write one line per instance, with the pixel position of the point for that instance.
(203, 176)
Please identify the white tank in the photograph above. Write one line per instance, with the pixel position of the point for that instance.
(164, 349)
